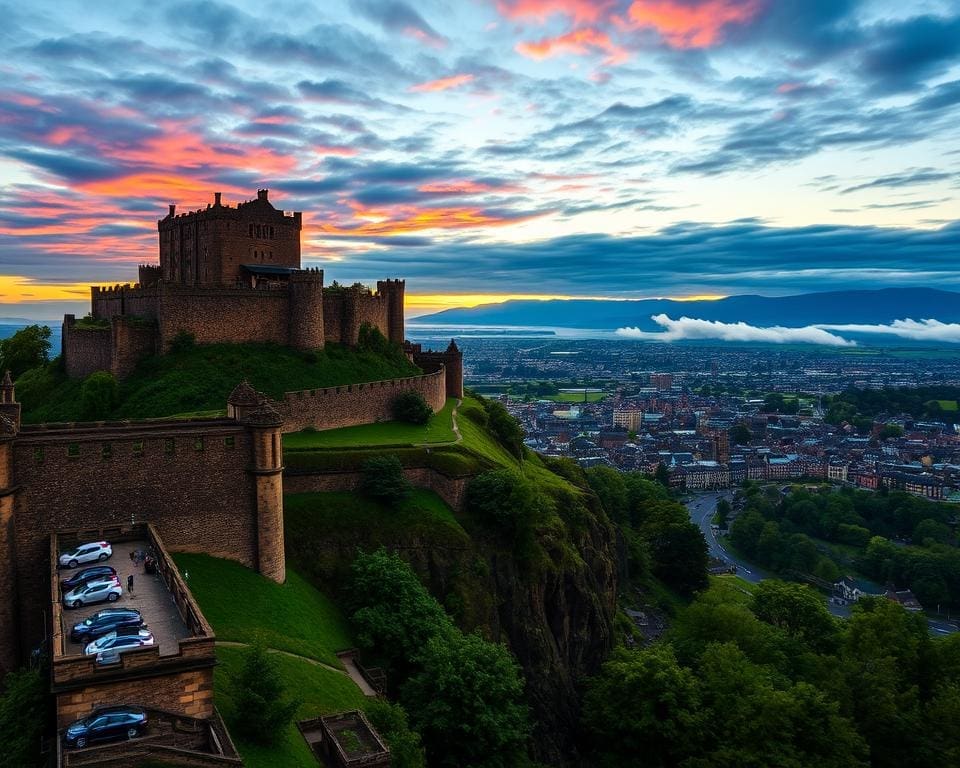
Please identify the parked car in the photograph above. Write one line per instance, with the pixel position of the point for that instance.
(107, 724)
(88, 574)
(86, 553)
(102, 622)
(115, 641)
(93, 592)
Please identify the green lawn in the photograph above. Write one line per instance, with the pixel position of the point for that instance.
(391, 433)
(948, 405)
(241, 605)
(320, 692)
(571, 397)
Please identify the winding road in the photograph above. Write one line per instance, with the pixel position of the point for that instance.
(701, 508)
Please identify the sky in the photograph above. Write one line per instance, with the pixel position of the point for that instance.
(484, 149)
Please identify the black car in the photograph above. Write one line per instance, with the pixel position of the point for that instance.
(107, 620)
(88, 574)
(106, 724)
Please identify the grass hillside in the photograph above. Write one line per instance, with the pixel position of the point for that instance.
(196, 380)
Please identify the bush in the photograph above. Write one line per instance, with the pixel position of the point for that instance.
(504, 428)
(384, 481)
(411, 408)
(98, 396)
(391, 723)
(183, 341)
(261, 712)
(505, 501)
(23, 714)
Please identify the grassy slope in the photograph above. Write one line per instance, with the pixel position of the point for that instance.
(199, 379)
(386, 434)
(318, 690)
(240, 605)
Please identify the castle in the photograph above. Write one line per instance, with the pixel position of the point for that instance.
(211, 485)
(226, 274)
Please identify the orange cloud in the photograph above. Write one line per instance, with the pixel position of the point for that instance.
(579, 42)
(443, 84)
(581, 11)
(696, 25)
(406, 219)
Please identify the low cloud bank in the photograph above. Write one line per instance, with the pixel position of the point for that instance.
(687, 328)
(691, 328)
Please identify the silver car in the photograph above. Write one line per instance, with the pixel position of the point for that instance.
(93, 592)
(92, 552)
(119, 643)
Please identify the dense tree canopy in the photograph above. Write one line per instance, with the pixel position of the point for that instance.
(27, 348)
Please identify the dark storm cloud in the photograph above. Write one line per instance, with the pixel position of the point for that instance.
(396, 16)
(687, 258)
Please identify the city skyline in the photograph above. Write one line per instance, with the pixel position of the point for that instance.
(493, 149)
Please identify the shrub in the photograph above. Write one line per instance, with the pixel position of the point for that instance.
(27, 348)
(23, 715)
(410, 407)
(505, 428)
(262, 714)
(98, 395)
(183, 341)
(383, 479)
(507, 503)
(391, 723)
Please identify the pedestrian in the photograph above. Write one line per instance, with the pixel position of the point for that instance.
(133, 556)
(130, 583)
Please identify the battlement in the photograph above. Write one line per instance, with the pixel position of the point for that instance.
(219, 208)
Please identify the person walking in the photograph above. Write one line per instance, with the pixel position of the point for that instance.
(130, 584)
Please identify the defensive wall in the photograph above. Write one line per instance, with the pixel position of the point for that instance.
(352, 404)
(134, 321)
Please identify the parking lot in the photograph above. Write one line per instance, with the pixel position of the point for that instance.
(149, 596)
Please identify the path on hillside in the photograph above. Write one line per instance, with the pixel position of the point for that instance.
(350, 668)
(456, 431)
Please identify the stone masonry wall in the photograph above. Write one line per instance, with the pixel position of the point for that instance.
(190, 480)
(451, 489)
(221, 315)
(353, 404)
(131, 342)
(123, 300)
(84, 350)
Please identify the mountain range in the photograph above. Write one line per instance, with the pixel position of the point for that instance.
(835, 307)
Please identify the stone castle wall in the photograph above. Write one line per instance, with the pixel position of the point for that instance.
(189, 479)
(84, 350)
(352, 404)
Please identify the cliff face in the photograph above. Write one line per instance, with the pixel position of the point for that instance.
(555, 615)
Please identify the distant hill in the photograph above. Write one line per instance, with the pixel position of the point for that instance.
(840, 307)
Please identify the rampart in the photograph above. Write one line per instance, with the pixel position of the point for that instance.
(352, 404)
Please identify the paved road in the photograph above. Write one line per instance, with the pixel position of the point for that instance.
(701, 508)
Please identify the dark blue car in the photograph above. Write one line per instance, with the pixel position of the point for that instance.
(108, 724)
(102, 622)
(87, 574)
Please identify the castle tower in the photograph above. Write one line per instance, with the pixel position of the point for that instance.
(394, 290)
(267, 470)
(306, 309)
(453, 362)
(9, 406)
(9, 621)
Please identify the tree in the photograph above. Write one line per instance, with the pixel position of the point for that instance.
(411, 408)
(383, 479)
(677, 548)
(27, 348)
(467, 703)
(644, 703)
(611, 488)
(745, 532)
(890, 430)
(930, 532)
(391, 723)
(393, 612)
(662, 475)
(261, 712)
(504, 428)
(506, 502)
(98, 395)
(722, 514)
(797, 609)
(23, 716)
(740, 434)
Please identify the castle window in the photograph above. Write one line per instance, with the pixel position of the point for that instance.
(138, 448)
(198, 444)
(38, 455)
(251, 230)
(258, 230)
(73, 451)
(229, 442)
(271, 233)
(168, 447)
(106, 451)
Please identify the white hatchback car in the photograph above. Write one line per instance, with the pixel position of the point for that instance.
(119, 643)
(94, 592)
(86, 553)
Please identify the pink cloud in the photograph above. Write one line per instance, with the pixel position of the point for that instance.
(581, 11)
(697, 24)
(442, 84)
(579, 42)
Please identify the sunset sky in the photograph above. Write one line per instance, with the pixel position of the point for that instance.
(484, 148)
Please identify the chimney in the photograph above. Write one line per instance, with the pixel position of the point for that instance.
(173, 209)
(262, 194)
(216, 199)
